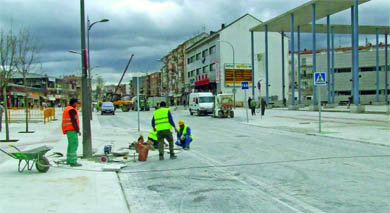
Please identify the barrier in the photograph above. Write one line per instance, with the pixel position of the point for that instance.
(49, 114)
(19, 114)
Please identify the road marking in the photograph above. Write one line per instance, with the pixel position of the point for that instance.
(264, 185)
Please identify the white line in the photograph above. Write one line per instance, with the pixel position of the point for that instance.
(264, 185)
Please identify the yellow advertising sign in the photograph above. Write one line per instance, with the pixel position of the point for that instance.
(240, 75)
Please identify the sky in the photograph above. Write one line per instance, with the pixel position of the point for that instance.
(149, 29)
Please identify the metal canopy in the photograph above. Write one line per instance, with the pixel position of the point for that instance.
(344, 29)
(302, 14)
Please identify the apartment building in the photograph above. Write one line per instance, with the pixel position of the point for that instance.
(221, 61)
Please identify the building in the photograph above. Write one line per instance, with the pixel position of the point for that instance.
(173, 72)
(155, 84)
(343, 74)
(222, 61)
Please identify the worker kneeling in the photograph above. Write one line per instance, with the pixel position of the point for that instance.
(152, 136)
(184, 136)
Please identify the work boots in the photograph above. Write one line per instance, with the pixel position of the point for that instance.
(173, 156)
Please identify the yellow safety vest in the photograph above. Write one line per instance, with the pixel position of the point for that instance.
(161, 120)
(153, 135)
(185, 132)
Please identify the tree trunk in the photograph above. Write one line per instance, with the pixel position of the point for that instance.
(6, 113)
(26, 104)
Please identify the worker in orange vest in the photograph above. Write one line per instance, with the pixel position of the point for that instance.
(71, 127)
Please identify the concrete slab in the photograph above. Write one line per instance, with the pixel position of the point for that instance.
(357, 108)
(293, 107)
(330, 106)
(313, 108)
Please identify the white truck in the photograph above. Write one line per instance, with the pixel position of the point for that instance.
(201, 103)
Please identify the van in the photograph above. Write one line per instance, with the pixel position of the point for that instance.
(201, 103)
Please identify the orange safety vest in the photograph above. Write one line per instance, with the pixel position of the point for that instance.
(67, 122)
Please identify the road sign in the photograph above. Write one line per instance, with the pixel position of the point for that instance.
(244, 85)
(319, 78)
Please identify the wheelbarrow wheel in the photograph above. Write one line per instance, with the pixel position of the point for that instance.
(42, 164)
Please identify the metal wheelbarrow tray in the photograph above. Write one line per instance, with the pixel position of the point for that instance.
(28, 158)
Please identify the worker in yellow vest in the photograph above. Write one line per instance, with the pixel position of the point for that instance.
(152, 136)
(71, 127)
(184, 136)
(163, 123)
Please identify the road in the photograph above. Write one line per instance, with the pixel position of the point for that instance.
(235, 167)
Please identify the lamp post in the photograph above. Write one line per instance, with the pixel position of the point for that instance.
(87, 142)
(89, 63)
(234, 73)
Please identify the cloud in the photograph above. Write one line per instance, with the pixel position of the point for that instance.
(147, 28)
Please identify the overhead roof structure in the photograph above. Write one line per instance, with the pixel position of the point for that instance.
(344, 29)
(302, 14)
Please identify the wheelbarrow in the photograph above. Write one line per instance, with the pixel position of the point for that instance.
(28, 158)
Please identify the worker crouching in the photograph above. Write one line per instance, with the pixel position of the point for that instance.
(184, 136)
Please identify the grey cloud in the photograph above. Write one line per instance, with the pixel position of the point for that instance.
(149, 35)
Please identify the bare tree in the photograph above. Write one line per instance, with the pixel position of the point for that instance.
(8, 61)
(27, 51)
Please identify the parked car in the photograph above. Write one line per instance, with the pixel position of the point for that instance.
(201, 103)
(107, 108)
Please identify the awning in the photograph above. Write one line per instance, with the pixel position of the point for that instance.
(18, 94)
(33, 95)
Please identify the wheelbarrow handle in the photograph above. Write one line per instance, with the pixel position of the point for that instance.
(12, 156)
(10, 145)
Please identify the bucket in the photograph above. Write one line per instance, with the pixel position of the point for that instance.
(143, 151)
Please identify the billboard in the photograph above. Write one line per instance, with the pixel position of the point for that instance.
(243, 72)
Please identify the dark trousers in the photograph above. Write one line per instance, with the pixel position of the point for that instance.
(262, 110)
(253, 110)
(161, 135)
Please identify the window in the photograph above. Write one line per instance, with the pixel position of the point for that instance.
(198, 56)
(205, 69)
(188, 60)
(189, 74)
(368, 69)
(192, 73)
(303, 62)
(212, 67)
(339, 70)
(343, 93)
(192, 59)
(198, 71)
(368, 92)
(212, 50)
(205, 53)
(206, 99)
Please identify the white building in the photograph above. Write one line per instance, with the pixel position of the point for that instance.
(343, 74)
(210, 61)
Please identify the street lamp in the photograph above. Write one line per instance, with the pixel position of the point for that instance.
(89, 62)
(234, 73)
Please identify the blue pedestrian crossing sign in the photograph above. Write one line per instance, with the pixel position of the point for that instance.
(319, 78)
(244, 85)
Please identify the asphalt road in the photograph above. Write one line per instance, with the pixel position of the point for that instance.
(235, 167)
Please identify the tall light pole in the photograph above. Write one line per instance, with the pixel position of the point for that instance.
(89, 63)
(234, 73)
(87, 143)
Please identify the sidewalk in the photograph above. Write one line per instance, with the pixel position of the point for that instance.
(366, 128)
(61, 189)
